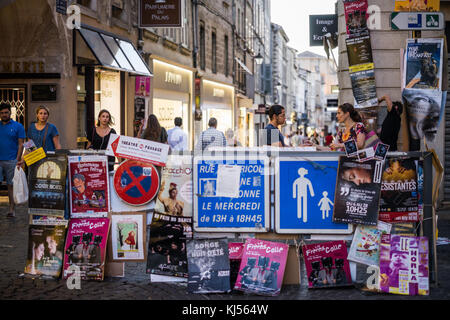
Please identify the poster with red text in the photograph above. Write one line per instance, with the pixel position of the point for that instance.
(89, 186)
(262, 267)
(356, 17)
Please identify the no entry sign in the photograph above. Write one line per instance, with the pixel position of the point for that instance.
(136, 183)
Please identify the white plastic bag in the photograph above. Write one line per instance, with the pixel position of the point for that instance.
(20, 186)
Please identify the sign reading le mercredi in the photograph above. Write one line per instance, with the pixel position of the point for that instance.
(160, 13)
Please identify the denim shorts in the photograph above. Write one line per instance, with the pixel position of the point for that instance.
(8, 167)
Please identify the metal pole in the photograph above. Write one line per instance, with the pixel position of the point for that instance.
(428, 216)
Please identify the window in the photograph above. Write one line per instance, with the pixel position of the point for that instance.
(118, 11)
(226, 64)
(214, 52)
(202, 46)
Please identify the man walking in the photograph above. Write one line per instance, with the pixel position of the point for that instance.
(211, 137)
(273, 135)
(177, 138)
(12, 136)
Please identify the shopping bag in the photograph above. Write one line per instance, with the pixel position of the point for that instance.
(20, 186)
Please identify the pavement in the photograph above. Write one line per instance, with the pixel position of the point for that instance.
(136, 285)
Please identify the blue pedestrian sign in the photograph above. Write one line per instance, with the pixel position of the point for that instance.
(247, 206)
(304, 195)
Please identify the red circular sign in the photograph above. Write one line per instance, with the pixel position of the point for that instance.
(136, 183)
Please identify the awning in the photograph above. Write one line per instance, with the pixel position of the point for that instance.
(108, 50)
(243, 66)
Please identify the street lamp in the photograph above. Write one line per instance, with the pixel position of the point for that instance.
(259, 59)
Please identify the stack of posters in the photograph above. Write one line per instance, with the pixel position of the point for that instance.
(85, 250)
(208, 265)
(167, 247)
(358, 189)
(235, 251)
(45, 250)
(262, 267)
(399, 193)
(404, 265)
(327, 264)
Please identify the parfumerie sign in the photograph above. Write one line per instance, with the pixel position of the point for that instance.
(160, 13)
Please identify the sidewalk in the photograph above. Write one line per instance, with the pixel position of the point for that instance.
(136, 284)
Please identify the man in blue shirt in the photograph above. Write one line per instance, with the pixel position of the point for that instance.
(12, 136)
(273, 135)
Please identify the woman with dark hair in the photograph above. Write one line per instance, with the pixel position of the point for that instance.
(154, 131)
(354, 128)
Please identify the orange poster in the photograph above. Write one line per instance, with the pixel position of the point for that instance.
(417, 5)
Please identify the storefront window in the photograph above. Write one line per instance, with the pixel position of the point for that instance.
(107, 95)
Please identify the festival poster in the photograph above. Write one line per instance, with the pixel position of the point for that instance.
(423, 64)
(417, 5)
(208, 266)
(327, 265)
(175, 193)
(365, 247)
(364, 88)
(262, 267)
(85, 248)
(47, 186)
(359, 52)
(235, 251)
(399, 196)
(45, 250)
(89, 186)
(128, 236)
(356, 17)
(167, 246)
(404, 265)
(358, 189)
(424, 111)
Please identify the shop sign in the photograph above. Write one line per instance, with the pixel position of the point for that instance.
(25, 66)
(320, 25)
(160, 13)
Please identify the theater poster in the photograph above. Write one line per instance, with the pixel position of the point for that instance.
(364, 88)
(89, 186)
(358, 189)
(356, 17)
(47, 181)
(399, 191)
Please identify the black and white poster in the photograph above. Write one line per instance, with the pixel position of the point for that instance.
(208, 265)
(358, 189)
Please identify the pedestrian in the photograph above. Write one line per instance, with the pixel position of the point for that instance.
(177, 138)
(154, 131)
(315, 138)
(98, 136)
(43, 133)
(328, 139)
(392, 123)
(211, 137)
(231, 139)
(354, 128)
(12, 136)
(277, 116)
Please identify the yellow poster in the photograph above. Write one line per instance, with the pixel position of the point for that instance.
(417, 5)
(34, 156)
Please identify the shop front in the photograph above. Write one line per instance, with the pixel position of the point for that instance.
(246, 126)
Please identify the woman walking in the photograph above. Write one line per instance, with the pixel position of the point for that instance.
(154, 131)
(43, 133)
(354, 128)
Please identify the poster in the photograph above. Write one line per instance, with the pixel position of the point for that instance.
(424, 111)
(167, 247)
(327, 265)
(356, 17)
(45, 250)
(89, 186)
(86, 248)
(128, 236)
(47, 182)
(175, 193)
(423, 64)
(208, 266)
(358, 189)
(235, 251)
(364, 88)
(404, 265)
(142, 86)
(262, 267)
(399, 195)
(365, 247)
(359, 52)
(417, 5)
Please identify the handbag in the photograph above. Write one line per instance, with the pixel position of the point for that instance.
(372, 140)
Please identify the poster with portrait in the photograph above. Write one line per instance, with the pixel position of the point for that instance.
(327, 265)
(175, 194)
(85, 248)
(208, 266)
(423, 64)
(399, 191)
(128, 236)
(404, 265)
(45, 250)
(89, 186)
(358, 189)
(167, 246)
(424, 111)
(417, 5)
(356, 17)
(47, 186)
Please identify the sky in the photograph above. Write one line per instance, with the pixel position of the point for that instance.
(293, 16)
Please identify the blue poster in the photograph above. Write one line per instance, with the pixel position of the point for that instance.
(305, 195)
(248, 212)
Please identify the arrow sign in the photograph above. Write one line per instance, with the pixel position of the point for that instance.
(417, 21)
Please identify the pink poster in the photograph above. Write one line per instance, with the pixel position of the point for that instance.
(85, 248)
(262, 267)
(327, 264)
(142, 86)
(235, 250)
(89, 186)
(356, 17)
